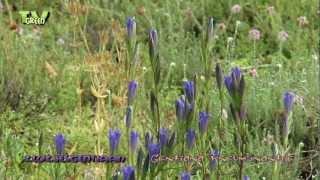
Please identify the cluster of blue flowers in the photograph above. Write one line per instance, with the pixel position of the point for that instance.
(185, 107)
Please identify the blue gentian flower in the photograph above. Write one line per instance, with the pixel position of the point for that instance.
(164, 136)
(114, 139)
(154, 149)
(191, 137)
(246, 178)
(235, 82)
(213, 162)
(132, 90)
(134, 138)
(189, 91)
(203, 121)
(59, 141)
(185, 176)
(228, 82)
(236, 74)
(128, 116)
(128, 173)
(288, 100)
(131, 27)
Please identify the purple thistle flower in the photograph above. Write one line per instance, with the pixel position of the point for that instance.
(254, 34)
(132, 90)
(59, 141)
(246, 178)
(288, 100)
(189, 91)
(128, 173)
(185, 176)
(215, 155)
(134, 138)
(164, 136)
(191, 138)
(180, 109)
(154, 149)
(114, 139)
(131, 27)
(128, 116)
(203, 121)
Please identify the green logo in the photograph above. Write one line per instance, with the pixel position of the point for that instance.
(31, 17)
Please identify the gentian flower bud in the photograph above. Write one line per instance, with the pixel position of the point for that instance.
(246, 178)
(213, 161)
(114, 139)
(236, 74)
(139, 158)
(203, 122)
(274, 149)
(228, 82)
(134, 138)
(288, 100)
(147, 139)
(219, 75)
(172, 140)
(164, 136)
(235, 82)
(131, 28)
(132, 90)
(59, 141)
(210, 29)
(189, 91)
(128, 116)
(153, 43)
(191, 137)
(128, 173)
(185, 176)
(180, 109)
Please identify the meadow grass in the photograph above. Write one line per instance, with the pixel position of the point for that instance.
(71, 76)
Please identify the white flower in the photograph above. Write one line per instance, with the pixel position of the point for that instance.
(144, 68)
(172, 64)
(238, 23)
(301, 144)
(202, 78)
(224, 114)
(236, 9)
(60, 41)
(315, 57)
(230, 39)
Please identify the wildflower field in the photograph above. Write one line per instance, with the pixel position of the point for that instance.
(208, 89)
